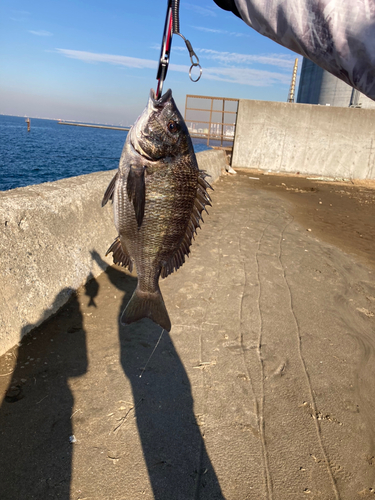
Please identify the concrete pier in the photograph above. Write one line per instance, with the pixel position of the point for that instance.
(48, 236)
(264, 388)
(125, 129)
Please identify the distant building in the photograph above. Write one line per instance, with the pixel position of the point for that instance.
(317, 86)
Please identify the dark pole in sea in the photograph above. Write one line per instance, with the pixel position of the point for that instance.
(28, 124)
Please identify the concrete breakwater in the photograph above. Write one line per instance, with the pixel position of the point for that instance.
(53, 239)
(305, 138)
(125, 129)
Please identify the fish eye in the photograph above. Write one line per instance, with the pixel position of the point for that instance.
(173, 127)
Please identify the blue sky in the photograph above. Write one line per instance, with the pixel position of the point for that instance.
(96, 61)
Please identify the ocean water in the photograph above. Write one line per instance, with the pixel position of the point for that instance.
(51, 151)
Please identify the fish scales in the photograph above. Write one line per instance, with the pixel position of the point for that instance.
(158, 196)
(170, 194)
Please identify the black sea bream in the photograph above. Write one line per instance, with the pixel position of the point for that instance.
(158, 196)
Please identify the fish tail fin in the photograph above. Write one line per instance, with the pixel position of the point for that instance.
(146, 305)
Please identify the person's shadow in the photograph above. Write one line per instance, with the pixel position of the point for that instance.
(177, 461)
(35, 416)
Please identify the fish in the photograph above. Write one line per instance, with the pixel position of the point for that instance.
(158, 196)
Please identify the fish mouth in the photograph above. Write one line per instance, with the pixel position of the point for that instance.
(162, 100)
(137, 134)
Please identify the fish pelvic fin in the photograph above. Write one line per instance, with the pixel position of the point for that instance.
(202, 199)
(146, 305)
(108, 195)
(120, 254)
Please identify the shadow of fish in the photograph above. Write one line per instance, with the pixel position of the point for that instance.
(158, 197)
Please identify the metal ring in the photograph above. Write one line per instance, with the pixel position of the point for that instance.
(200, 71)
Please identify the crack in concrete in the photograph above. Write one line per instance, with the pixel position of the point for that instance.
(258, 404)
(303, 363)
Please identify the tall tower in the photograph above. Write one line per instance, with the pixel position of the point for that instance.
(293, 82)
(317, 86)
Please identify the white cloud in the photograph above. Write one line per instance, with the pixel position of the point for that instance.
(21, 12)
(20, 15)
(92, 57)
(220, 32)
(232, 74)
(284, 61)
(40, 33)
(202, 11)
(246, 76)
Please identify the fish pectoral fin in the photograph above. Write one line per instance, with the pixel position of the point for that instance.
(108, 195)
(136, 189)
(120, 254)
(146, 305)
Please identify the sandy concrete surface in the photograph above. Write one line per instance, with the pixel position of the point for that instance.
(264, 388)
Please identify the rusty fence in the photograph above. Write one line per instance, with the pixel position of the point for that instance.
(212, 119)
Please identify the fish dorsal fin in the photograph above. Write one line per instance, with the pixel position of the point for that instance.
(108, 195)
(120, 254)
(136, 189)
(202, 198)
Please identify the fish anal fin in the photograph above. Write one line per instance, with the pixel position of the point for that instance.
(120, 254)
(136, 189)
(108, 195)
(146, 305)
(202, 199)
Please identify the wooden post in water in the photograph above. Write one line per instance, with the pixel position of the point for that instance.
(28, 124)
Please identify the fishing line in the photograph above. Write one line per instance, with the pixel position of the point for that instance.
(157, 343)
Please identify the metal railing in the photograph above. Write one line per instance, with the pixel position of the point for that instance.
(213, 119)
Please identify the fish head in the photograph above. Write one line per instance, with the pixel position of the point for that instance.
(160, 131)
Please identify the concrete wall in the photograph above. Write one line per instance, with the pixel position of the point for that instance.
(53, 237)
(283, 137)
